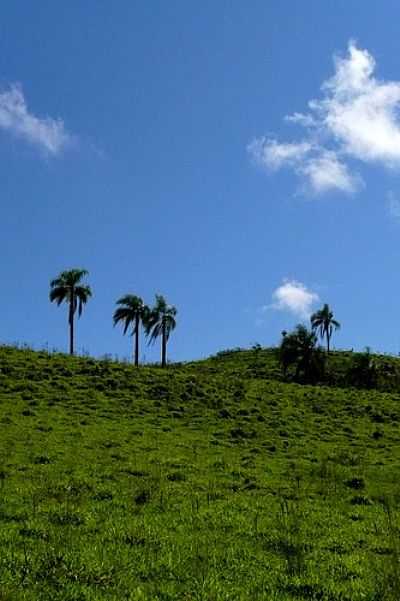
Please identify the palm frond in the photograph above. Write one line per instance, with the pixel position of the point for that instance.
(66, 286)
(58, 294)
(131, 300)
(131, 310)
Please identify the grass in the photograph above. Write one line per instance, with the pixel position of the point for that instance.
(212, 480)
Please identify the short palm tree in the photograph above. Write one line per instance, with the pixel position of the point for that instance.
(68, 287)
(131, 312)
(161, 321)
(322, 323)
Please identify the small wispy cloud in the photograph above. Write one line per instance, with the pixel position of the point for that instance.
(294, 297)
(357, 118)
(274, 155)
(46, 133)
(324, 172)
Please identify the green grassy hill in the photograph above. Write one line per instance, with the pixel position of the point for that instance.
(212, 480)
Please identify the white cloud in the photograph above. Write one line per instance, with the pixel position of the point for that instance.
(301, 119)
(295, 297)
(274, 155)
(46, 133)
(360, 111)
(357, 118)
(321, 169)
(326, 172)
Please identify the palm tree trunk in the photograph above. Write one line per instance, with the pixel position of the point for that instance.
(136, 356)
(327, 341)
(71, 325)
(163, 347)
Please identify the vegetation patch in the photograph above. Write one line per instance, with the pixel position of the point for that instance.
(267, 485)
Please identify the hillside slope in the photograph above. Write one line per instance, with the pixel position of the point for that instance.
(209, 480)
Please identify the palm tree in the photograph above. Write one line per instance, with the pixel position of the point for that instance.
(131, 311)
(68, 287)
(322, 323)
(160, 321)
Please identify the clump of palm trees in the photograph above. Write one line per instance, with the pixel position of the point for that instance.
(157, 321)
(299, 349)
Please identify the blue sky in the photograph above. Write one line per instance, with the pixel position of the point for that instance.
(171, 147)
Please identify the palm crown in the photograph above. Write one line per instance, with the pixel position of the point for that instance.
(323, 323)
(68, 287)
(131, 312)
(160, 321)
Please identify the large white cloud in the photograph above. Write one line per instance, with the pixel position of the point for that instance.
(357, 118)
(46, 133)
(295, 297)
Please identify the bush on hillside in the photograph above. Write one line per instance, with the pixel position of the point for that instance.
(301, 358)
(364, 370)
